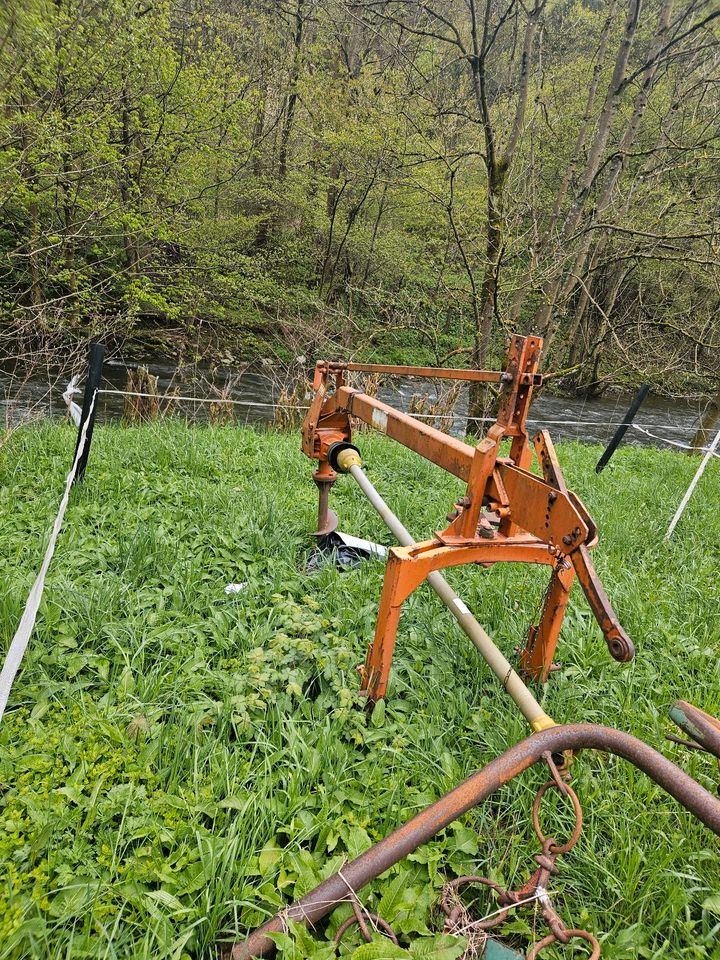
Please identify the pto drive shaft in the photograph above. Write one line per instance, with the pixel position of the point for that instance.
(348, 461)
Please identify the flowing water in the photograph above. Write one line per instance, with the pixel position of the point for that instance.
(38, 395)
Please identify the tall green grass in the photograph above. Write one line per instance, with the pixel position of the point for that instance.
(176, 763)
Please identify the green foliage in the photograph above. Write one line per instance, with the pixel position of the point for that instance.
(199, 172)
(178, 764)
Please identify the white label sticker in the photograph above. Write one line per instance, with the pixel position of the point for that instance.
(460, 605)
(379, 420)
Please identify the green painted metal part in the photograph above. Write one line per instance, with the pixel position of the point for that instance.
(703, 728)
(678, 716)
(494, 950)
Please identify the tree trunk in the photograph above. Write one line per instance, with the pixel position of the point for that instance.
(497, 167)
(544, 313)
(373, 238)
(65, 181)
(547, 235)
(615, 166)
(36, 293)
(126, 175)
(493, 253)
(293, 92)
(35, 290)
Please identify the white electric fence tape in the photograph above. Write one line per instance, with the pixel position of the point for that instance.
(674, 443)
(25, 628)
(73, 409)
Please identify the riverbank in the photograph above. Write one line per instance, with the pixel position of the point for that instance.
(254, 391)
(409, 343)
(177, 762)
(218, 353)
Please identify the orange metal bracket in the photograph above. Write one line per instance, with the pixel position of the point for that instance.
(507, 514)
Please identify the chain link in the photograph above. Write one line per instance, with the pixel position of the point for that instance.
(570, 935)
(536, 888)
(360, 917)
(568, 791)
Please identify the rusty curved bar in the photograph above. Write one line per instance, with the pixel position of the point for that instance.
(368, 866)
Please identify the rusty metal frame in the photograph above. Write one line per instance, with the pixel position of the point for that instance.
(344, 885)
(508, 514)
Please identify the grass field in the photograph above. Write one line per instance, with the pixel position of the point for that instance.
(177, 763)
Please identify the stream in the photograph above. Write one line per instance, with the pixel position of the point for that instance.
(26, 397)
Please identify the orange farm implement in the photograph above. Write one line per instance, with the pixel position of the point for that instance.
(508, 514)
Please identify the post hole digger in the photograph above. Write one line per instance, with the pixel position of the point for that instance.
(507, 514)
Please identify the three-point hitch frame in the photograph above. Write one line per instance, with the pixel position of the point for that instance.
(507, 514)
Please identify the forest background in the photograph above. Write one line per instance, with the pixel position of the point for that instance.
(393, 180)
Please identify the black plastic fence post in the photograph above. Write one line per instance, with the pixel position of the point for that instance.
(92, 382)
(622, 429)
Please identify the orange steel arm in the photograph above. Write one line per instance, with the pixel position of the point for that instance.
(428, 373)
(619, 643)
(527, 493)
(446, 451)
